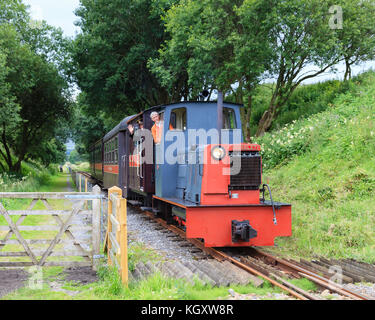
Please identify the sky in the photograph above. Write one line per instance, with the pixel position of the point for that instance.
(56, 13)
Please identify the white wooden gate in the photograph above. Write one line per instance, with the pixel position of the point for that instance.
(18, 240)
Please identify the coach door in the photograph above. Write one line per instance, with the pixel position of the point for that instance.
(135, 166)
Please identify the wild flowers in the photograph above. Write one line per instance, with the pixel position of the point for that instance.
(297, 137)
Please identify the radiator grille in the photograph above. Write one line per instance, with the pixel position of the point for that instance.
(250, 175)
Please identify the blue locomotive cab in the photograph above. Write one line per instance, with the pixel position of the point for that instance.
(188, 127)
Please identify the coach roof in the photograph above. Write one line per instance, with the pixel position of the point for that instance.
(122, 126)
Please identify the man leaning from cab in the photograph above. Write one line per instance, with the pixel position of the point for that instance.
(157, 129)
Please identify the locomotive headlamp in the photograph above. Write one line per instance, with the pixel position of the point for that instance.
(218, 153)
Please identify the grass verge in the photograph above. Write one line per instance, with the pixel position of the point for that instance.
(324, 166)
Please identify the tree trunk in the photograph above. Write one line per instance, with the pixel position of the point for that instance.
(348, 70)
(266, 120)
(17, 166)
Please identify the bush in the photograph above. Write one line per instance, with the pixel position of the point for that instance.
(337, 126)
(32, 176)
(306, 100)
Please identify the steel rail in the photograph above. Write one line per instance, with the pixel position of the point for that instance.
(324, 282)
(220, 256)
(298, 293)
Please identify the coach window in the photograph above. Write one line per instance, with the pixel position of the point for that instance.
(109, 152)
(178, 119)
(112, 152)
(115, 150)
(229, 119)
(106, 153)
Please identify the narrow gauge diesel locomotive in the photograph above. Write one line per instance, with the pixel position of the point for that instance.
(225, 210)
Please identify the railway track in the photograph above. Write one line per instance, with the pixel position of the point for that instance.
(267, 266)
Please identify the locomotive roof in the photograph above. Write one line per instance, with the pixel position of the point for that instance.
(123, 125)
(190, 102)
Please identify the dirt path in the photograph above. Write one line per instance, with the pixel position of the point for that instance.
(11, 280)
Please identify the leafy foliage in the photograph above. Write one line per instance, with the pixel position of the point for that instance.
(289, 41)
(357, 35)
(34, 93)
(299, 137)
(110, 55)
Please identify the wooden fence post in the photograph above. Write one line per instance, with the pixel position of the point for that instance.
(124, 241)
(109, 228)
(96, 227)
(86, 202)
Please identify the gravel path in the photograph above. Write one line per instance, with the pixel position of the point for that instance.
(142, 230)
(367, 289)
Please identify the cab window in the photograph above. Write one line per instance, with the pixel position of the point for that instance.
(229, 119)
(178, 119)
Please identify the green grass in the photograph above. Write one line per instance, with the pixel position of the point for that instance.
(157, 287)
(138, 252)
(304, 284)
(324, 166)
(81, 166)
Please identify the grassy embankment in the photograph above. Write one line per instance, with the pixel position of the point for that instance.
(81, 166)
(325, 167)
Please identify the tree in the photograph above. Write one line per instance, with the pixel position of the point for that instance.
(357, 34)
(110, 55)
(200, 47)
(50, 44)
(206, 47)
(300, 37)
(14, 12)
(52, 151)
(34, 88)
(88, 128)
(9, 109)
(40, 93)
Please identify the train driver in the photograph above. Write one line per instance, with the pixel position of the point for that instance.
(157, 129)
